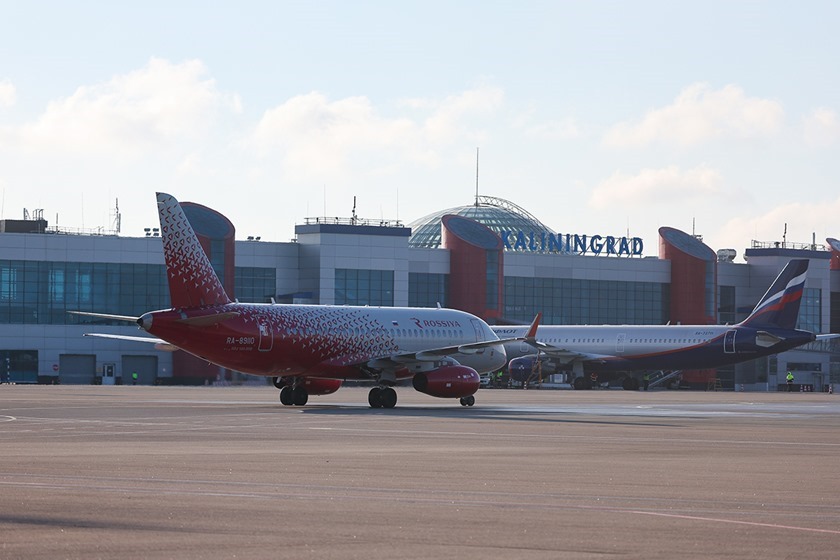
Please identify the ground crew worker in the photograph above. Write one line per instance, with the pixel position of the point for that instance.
(646, 379)
(789, 379)
(134, 378)
(594, 378)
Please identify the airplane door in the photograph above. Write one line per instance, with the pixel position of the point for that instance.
(729, 342)
(479, 331)
(266, 338)
(619, 342)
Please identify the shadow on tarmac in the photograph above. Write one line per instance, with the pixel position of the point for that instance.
(481, 413)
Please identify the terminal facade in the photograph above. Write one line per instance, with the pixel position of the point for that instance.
(491, 258)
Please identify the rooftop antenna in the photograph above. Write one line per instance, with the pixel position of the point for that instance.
(476, 177)
(117, 217)
(353, 215)
(784, 237)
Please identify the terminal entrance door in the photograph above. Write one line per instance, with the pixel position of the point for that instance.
(144, 366)
(76, 368)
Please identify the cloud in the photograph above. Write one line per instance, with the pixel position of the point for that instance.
(7, 94)
(700, 114)
(805, 220)
(147, 109)
(312, 135)
(566, 129)
(822, 128)
(656, 186)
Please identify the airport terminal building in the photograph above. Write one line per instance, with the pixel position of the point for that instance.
(491, 258)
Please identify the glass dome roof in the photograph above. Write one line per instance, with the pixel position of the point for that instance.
(496, 213)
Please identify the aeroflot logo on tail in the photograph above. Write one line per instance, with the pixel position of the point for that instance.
(546, 242)
(425, 323)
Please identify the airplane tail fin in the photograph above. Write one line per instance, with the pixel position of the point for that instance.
(780, 305)
(192, 281)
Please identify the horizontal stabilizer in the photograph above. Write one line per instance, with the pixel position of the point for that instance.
(827, 336)
(766, 340)
(160, 344)
(125, 318)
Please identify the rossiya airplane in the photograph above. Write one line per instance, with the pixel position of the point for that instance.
(311, 349)
(617, 350)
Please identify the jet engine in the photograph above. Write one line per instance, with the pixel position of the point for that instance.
(520, 369)
(320, 386)
(455, 381)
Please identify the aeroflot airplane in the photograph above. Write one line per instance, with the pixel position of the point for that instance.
(616, 350)
(311, 349)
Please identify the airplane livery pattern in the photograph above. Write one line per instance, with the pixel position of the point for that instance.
(610, 352)
(311, 349)
(190, 273)
(780, 305)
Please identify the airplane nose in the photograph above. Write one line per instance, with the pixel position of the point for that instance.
(145, 321)
(499, 356)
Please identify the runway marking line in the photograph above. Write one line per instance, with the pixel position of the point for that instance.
(736, 522)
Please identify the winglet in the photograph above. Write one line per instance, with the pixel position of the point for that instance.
(532, 330)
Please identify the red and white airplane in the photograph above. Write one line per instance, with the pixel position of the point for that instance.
(311, 349)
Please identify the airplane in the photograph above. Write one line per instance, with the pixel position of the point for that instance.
(613, 351)
(312, 349)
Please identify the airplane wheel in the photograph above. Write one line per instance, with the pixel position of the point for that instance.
(628, 384)
(579, 383)
(469, 400)
(286, 396)
(375, 397)
(299, 396)
(278, 382)
(388, 398)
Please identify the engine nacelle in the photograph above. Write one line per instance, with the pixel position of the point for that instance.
(320, 386)
(520, 369)
(448, 382)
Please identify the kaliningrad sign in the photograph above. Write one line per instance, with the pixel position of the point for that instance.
(547, 242)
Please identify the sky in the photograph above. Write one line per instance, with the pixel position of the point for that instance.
(716, 118)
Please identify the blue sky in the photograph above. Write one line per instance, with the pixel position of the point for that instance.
(597, 117)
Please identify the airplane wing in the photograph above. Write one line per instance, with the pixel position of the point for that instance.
(470, 348)
(435, 354)
(564, 355)
(827, 336)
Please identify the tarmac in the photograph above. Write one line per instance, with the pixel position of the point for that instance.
(228, 472)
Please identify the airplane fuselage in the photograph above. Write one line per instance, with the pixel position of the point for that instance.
(328, 341)
(638, 348)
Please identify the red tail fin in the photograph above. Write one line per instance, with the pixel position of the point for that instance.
(192, 281)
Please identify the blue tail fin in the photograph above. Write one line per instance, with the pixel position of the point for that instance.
(780, 305)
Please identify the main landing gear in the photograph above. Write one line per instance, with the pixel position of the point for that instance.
(382, 397)
(468, 401)
(290, 394)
